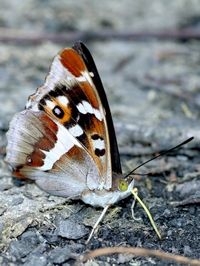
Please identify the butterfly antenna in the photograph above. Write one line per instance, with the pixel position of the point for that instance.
(159, 155)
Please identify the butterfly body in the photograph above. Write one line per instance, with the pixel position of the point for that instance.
(64, 140)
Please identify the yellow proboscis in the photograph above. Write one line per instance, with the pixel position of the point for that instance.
(134, 191)
(123, 186)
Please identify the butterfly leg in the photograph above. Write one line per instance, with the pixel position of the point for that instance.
(97, 223)
(132, 209)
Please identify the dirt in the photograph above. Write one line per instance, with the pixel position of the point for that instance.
(153, 88)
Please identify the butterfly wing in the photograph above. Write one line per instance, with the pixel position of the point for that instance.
(90, 64)
(61, 139)
(43, 150)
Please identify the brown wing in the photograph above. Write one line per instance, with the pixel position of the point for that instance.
(70, 102)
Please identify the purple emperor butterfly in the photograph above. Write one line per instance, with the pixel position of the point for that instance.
(65, 140)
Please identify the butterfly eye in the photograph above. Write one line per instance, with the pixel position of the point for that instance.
(58, 112)
(123, 185)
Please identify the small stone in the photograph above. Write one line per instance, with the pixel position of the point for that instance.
(60, 255)
(34, 260)
(21, 248)
(17, 201)
(71, 229)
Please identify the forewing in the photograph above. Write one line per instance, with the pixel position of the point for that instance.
(63, 132)
(91, 67)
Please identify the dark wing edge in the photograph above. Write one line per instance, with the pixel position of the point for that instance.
(90, 64)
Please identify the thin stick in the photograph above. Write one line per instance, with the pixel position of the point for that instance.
(140, 252)
(19, 36)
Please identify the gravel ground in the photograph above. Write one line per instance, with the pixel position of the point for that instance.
(153, 88)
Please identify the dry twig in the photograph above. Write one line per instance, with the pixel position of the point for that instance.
(19, 36)
(141, 252)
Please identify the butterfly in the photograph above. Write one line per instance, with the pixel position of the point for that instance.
(64, 139)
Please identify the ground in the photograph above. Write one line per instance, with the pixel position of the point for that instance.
(153, 88)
